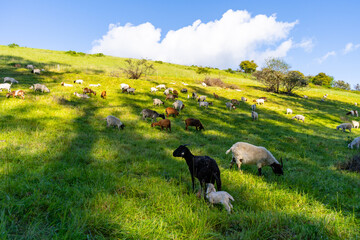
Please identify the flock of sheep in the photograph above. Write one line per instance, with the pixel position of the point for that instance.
(204, 168)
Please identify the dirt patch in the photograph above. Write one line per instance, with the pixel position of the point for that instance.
(352, 165)
(219, 83)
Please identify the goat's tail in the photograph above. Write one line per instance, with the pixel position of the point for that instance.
(230, 149)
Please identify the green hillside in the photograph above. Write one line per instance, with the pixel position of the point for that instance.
(65, 175)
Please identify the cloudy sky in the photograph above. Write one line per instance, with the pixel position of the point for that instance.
(312, 36)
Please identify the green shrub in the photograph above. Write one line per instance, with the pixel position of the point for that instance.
(13, 45)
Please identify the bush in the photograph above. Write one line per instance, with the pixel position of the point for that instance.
(98, 55)
(202, 70)
(13, 45)
(159, 62)
(229, 70)
(74, 53)
(341, 84)
(322, 79)
(294, 80)
(217, 82)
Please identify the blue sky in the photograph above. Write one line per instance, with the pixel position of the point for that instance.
(312, 36)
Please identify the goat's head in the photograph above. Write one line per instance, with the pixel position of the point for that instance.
(162, 116)
(210, 188)
(122, 126)
(181, 151)
(278, 168)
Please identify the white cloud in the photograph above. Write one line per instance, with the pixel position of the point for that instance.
(221, 43)
(350, 47)
(323, 58)
(306, 44)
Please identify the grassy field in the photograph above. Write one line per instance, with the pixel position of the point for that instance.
(64, 175)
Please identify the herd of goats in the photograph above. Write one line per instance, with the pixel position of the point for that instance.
(204, 168)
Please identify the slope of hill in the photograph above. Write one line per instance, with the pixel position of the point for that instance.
(65, 175)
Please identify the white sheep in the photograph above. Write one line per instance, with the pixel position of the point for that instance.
(36, 71)
(11, 80)
(66, 84)
(153, 89)
(289, 111)
(230, 106)
(157, 102)
(299, 118)
(161, 86)
(244, 99)
(344, 126)
(355, 124)
(254, 116)
(79, 81)
(94, 85)
(204, 84)
(30, 66)
(167, 91)
(354, 143)
(114, 121)
(259, 101)
(219, 197)
(40, 87)
(5, 86)
(81, 95)
(202, 98)
(124, 86)
(253, 107)
(178, 105)
(245, 153)
(205, 104)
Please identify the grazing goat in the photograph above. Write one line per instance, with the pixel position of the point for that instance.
(219, 197)
(17, 65)
(204, 84)
(5, 86)
(306, 97)
(30, 66)
(124, 86)
(216, 96)
(94, 85)
(114, 121)
(147, 113)
(40, 87)
(254, 116)
(170, 96)
(184, 90)
(234, 101)
(89, 90)
(103, 94)
(161, 86)
(205, 104)
(344, 126)
(244, 99)
(79, 81)
(153, 89)
(66, 84)
(204, 168)
(299, 118)
(171, 111)
(157, 102)
(165, 123)
(253, 107)
(179, 105)
(131, 90)
(81, 95)
(259, 101)
(353, 113)
(167, 91)
(11, 80)
(355, 124)
(17, 93)
(230, 106)
(265, 98)
(36, 71)
(175, 92)
(289, 111)
(194, 95)
(248, 154)
(195, 123)
(354, 143)
(202, 98)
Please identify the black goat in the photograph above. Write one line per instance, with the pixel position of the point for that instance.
(203, 168)
(147, 113)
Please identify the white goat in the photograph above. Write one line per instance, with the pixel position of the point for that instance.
(161, 86)
(259, 101)
(245, 153)
(167, 91)
(254, 116)
(344, 126)
(289, 111)
(230, 106)
(204, 84)
(66, 84)
(244, 99)
(202, 98)
(5, 86)
(114, 121)
(81, 95)
(354, 143)
(94, 85)
(11, 80)
(124, 86)
(178, 105)
(219, 197)
(79, 81)
(153, 89)
(299, 118)
(157, 102)
(30, 66)
(355, 124)
(205, 104)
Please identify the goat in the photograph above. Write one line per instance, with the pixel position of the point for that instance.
(88, 90)
(153, 89)
(147, 113)
(344, 126)
(5, 86)
(66, 84)
(131, 90)
(299, 118)
(103, 94)
(219, 197)
(94, 85)
(81, 95)
(353, 112)
(157, 102)
(36, 71)
(230, 106)
(205, 104)
(170, 96)
(114, 121)
(259, 101)
(79, 81)
(254, 115)
(194, 95)
(179, 105)
(17, 93)
(216, 96)
(184, 90)
(40, 87)
(161, 86)
(234, 102)
(253, 107)
(171, 111)
(204, 168)
(244, 99)
(175, 92)
(195, 123)
(11, 80)
(165, 123)
(202, 98)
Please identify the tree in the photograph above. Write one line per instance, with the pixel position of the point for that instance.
(136, 68)
(341, 84)
(322, 79)
(277, 64)
(13, 45)
(294, 80)
(272, 79)
(357, 87)
(248, 66)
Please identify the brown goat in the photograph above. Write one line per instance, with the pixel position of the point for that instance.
(164, 123)
(88, 90)
(194, 122)
(216, 96)
(170, 96)
(103, 94)
(171, 111)
(175, 92)
(17, 93)
(234, 101)
(17, 65)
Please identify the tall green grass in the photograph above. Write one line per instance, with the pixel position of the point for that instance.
(64, 175)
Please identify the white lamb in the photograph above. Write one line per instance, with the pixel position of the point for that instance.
(11, 80)
(355, 124)
(66, 84)
(344, 126)
(157, 102)
(260, 101)
(219, 197)
(124, 86)
(161, 86)
(153, 89)
(299, 118)
(245, 153)
(178, 105)
(289, 111)
(114, 121)
(81, 95)
(79, 81)
(254, 116)
(244, 99)
(94, 85)
(354, 143)
(5, 86)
